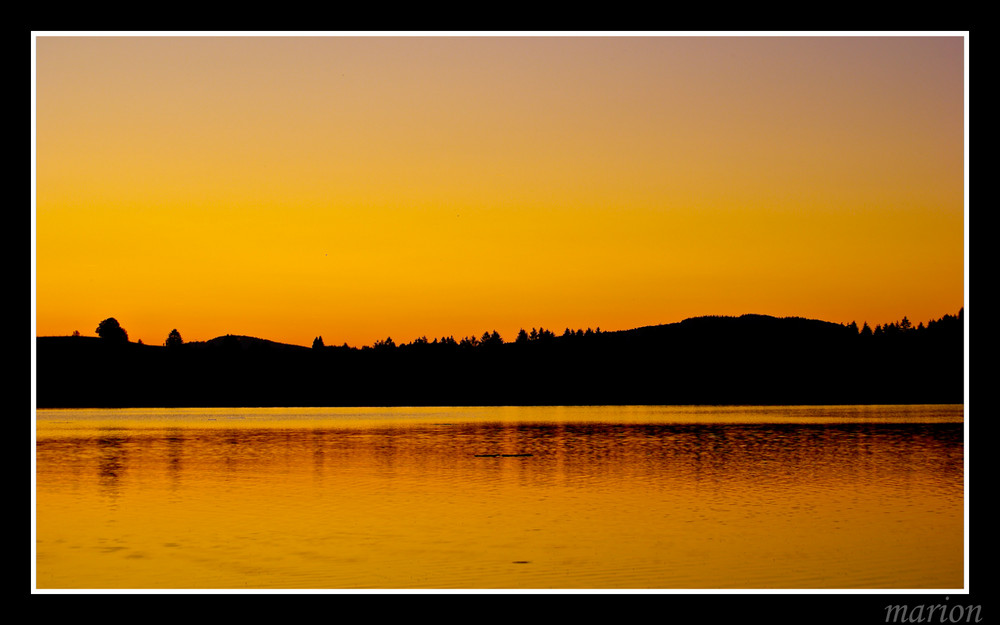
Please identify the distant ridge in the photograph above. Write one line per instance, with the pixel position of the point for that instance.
(255, 343)
(248, 343)
(749, 359)
(220, 342)
(758, 321)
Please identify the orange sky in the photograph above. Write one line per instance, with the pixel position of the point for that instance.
(364, 187)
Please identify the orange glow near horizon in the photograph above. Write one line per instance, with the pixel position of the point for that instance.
(362, 187)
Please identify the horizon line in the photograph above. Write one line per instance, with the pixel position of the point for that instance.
(594, 329)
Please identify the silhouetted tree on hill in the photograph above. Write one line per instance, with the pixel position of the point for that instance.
(174, 339)
(491, 340)
(387, 345)
(111, 331)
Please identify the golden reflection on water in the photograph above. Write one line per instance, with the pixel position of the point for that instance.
(520, 498)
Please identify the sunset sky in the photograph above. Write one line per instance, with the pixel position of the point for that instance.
(359, 187)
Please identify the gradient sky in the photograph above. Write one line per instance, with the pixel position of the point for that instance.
(364, 187)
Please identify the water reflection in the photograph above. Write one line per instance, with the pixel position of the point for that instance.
(174, 443)
(444, 502)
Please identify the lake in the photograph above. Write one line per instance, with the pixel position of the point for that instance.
(602, 497)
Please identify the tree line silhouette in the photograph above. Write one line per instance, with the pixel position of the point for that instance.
(750, 359)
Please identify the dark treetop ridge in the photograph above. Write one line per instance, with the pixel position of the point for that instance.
(751, 359)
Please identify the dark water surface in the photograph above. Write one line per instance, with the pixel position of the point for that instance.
(607, 497)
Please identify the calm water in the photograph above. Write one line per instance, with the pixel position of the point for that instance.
(512, 498)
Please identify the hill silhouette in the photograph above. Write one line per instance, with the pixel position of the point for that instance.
(750, 359)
